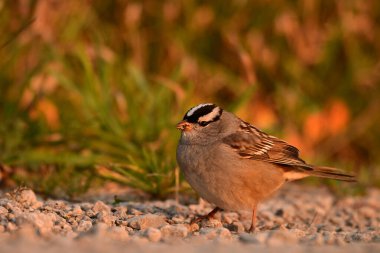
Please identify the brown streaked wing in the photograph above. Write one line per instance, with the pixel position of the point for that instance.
(251, 143)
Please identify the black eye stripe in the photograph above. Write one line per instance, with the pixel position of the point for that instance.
(204, 123)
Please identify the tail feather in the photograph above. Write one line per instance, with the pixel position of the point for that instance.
(327, 172)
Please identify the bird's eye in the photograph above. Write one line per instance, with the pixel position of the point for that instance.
(203, 123)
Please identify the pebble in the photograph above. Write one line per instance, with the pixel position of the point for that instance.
(76, 211)
(86, 206)
(314, 239)
(153, 234)
(210, 233)
(84, 226)
(117, 234)
(100, 206)
(177, 230)
(105, 217)
(11, 227)
(43, 222)
(368, 212)
(248, 238)
(13, 208)
(120, 212)
(211, 223)
(281, 237)
(98, 230)
(376, 239)
(147, 220)
(3, 210)
(230, 217)
(237, 227)
(27, 198)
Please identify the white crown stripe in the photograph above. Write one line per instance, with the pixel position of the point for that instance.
(194, 109)
(210, 116)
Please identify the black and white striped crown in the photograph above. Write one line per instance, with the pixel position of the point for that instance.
(203, 114)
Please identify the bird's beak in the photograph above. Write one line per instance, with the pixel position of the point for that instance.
(184, 126)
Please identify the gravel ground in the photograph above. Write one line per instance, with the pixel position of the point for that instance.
(298, 219)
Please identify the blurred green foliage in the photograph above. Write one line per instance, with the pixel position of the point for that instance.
(93, 89)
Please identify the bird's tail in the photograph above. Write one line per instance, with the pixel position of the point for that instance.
(333, 173)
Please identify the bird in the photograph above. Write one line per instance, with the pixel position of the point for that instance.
(232, 164)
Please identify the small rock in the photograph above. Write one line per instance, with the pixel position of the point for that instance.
(368, 212)
(105, 217)
(130, 230)
(91, 213)
(27, 233)
(279, 212)
(281, 237)
(100, 206)
(153, 234)
(312, 229)
(13, 208)
(375, 238)
(147, 220)
(287, 211)
(62, 228)
(226, 219)
(324, 227)
(211, 233)
(11, 227)
(249, 238)
(99, 229)
(267, 215)
(211, 223)
(84, 226)
(76, 211)
(247, 225)
(297, 232)
(135, 212)
(27, 198)
(3, 210)
(230, 217)
(315, 239)
(120, 212)
(137, 240)
(86, 206)
(335, 221)
(103, 232)
(121, 222)
(193, 227)
(328, 238)
(236, 226)
(118, 234)
(177, 230)
(339, 241)
(361, 237)
(224, 233)
(261, 237)
(178, 219)
(55, 204)
(44, 222)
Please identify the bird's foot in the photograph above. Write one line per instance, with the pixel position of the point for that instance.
(252, 229)
(207, 216)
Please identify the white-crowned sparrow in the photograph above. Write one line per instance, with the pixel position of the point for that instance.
(234, 165)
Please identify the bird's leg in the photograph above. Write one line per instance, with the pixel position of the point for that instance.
(207, 216)
(253, 223)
